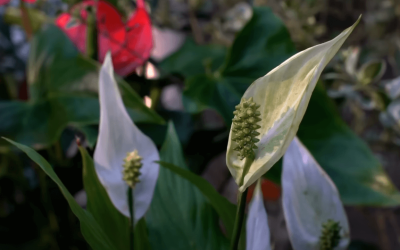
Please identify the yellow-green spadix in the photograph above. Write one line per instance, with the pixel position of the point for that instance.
(119, 136)
(282, 95)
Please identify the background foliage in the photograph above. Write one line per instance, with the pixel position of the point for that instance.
(48, 96)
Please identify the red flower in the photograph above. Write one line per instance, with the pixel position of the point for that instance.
(130, 44)
(271, 191)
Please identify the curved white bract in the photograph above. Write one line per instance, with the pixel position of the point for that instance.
(118, 136)
(283, 95)
(309, 199)
(257, 230)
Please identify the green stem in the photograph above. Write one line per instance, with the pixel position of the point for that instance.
(91, 37)
(132, 214)
(237, 229)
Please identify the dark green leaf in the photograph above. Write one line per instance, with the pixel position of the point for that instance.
(263, 44)
(91, 230)
(42, 122)
(192, 59)
(224, 208)
(357, 174)
(180, 216)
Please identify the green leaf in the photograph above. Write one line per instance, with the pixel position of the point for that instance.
(263, 44)
(91, 230)
(358, 175)
(180, 216)
(192, 59)
(224, 208)
(141, 240)
(42, 122)
(63, 89)
(113, 223)
(371, 72)
(259, 47)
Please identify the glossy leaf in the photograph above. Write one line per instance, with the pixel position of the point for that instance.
(310, 199)
(257, 229)
(263, 44)
(180, 217)
(224, 208)
(91, 230)
(371, 72)
(118, 135)
(283, 95)
(192, 59)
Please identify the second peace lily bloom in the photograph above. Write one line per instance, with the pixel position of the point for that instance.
(281, 98)
(119, 136)
(314, 214)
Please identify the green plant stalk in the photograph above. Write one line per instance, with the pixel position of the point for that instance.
(237, 229)
(91, 36)
(132, 214)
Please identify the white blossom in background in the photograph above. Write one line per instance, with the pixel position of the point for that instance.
(118, 135)
(310, 199)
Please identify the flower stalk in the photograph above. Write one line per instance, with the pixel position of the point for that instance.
(91, 36)
(130, 174)
(132, 220)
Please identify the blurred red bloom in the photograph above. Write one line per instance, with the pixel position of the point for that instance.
(271, 191)
(130, 43)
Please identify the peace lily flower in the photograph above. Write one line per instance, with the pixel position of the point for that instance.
(257, 230)
(315, 217)
(124, 157)
(271, 110)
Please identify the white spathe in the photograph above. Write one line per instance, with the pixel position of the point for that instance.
(257, 230)
(309, 199)
(283, 95)
(118, 135)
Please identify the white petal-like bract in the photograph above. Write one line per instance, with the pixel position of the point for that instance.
(118, 135)
(283, 95)
(310, 199)
(257, 230)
